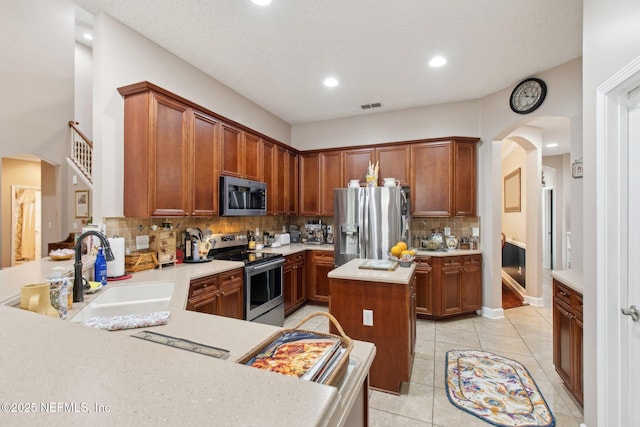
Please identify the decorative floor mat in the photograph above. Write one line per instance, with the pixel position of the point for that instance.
(495, 389)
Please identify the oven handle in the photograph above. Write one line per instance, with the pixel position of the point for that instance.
(250, 270)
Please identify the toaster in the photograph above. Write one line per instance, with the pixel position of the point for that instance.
(283, 239)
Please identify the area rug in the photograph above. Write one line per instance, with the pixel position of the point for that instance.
(495, 389)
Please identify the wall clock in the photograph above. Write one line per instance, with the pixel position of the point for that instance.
(528, 95)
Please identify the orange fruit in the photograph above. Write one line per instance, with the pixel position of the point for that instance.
(402, 246)
(396, 251)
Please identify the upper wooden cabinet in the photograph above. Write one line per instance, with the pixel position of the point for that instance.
(269, 175)
(204, 158)
(356, 162)
(443, 178)
(330, 178)
(292, 178)
(241, 153)
(394, 161)
(160, 138)
(309, 183)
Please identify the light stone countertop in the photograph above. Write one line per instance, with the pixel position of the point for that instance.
(450, 252)
(572, 278)
(74, 369)
(351, 271)
(295, 248)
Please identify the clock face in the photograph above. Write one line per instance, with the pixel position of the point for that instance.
(528, 96)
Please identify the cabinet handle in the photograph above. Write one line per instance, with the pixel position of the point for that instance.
(564, 294)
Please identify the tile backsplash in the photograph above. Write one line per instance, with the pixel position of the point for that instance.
(130, 228)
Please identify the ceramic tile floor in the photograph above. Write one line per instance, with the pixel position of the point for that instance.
(524, 334)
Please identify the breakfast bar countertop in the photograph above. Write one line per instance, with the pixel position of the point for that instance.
(60, 372)
(352, 271)
(572, 278)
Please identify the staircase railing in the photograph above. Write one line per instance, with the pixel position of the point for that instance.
(81, 151)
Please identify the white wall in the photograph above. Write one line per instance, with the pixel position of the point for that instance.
(83, 81)
(36, 82)
(611, 39)
(454, 119)
(121, 57)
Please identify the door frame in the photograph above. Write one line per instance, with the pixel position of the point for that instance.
(613, 401)
(38, 225)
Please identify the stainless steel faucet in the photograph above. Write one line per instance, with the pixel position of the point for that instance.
(78, 287)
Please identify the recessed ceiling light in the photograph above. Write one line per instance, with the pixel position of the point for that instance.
(331, 82)
(552, 145)
(262, 2)
(87, 36)
(437, 61)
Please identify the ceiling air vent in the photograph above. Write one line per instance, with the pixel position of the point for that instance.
(374, 105)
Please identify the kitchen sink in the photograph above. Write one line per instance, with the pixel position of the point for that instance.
(128, 299)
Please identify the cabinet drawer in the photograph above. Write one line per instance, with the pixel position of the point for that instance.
(562, 293)
(423, 261)
(322, 257)
(472, 259)
(231, 277)
(203, 286)
(161, 239)
(451, 261)
(577, 306)
(165, 257)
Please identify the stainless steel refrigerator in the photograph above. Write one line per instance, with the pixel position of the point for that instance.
(368, 221)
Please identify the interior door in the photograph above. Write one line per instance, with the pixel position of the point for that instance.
(633, 272)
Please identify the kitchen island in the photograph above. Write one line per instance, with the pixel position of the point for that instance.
(57, 372)
(380, 307)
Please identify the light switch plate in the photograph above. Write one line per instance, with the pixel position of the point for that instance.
(367, 317)
(142, 242)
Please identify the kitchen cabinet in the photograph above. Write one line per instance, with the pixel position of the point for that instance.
(443, 178)
(356, 162)
(424, 286)
(567, 338)
(392, 330)
(282, 181)
(395, 162)
(269, 175)
(241, 153)
(157, 148)
(221, 294)
(319, 264)
(320, 173)
(294, 282)
(170, 156)
(292, 187)
(448, 285)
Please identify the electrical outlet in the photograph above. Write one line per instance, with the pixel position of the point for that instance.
(367, 317)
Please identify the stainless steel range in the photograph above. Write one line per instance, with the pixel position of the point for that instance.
(263, 299)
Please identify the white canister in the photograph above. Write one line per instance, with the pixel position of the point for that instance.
(391, 182)
(354, 183)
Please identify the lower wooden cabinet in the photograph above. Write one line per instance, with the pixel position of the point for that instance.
(220, 294)
(294, 282)
(319, 264)
(567, 338)
(448, 285)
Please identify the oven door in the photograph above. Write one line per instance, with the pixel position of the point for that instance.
(264, 301)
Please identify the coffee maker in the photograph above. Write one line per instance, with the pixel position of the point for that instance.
(316, 232)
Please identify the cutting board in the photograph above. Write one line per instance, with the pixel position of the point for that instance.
(379, 264)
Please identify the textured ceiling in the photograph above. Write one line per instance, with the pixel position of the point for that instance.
(278, 56)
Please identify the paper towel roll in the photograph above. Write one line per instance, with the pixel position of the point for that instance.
(115, 268)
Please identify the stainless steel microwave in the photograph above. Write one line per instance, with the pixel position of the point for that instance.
(242, 197)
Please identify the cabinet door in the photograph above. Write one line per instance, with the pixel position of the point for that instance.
(204, 169)
(562, 341)
(282, 181)
(330, 178)
(205, 304)
(269, 167)
(232, 153)
(231, 294)
(288, 282)
(309, 184)
(300, 288)
(432, 179)
(472, 283)
(319, 264)
(412, 319)
(252, 156)
(169, 151)
(424, 286)
(356, 163)
(451, 286)
(395, 162)
(292, 177)
(465, 179)
(578, 357)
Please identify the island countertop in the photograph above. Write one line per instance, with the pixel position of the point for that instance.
(352, 271)
(70, 374)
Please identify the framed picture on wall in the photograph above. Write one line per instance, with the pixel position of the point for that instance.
(82, 204)
(512, 192)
